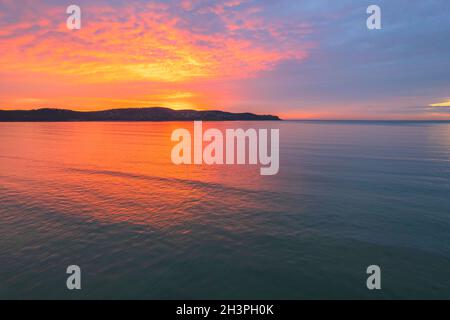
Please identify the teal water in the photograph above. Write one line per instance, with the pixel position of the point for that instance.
(106, 197)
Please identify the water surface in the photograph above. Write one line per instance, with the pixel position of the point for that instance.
(106, 197)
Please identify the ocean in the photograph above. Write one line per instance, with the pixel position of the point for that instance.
(106, 196)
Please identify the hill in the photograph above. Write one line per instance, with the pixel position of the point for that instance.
(132, 114)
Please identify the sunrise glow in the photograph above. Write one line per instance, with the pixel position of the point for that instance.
(235, 55)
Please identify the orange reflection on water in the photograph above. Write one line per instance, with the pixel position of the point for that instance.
(122, 172)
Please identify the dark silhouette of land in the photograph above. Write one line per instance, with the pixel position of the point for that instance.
(132, 114)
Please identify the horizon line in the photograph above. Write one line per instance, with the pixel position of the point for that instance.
(238, 112)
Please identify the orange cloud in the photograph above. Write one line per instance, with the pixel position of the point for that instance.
(134, 43)
(136, 54)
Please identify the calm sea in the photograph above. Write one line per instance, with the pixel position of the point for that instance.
(106, 197)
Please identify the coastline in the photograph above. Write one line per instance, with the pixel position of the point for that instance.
(154, 114)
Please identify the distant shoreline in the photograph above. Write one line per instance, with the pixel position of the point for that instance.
(158, 114)
(155, 114)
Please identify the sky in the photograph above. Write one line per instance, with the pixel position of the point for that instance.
(299, 59)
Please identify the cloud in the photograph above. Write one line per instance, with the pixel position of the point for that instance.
(156, 41)
(441, 104)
